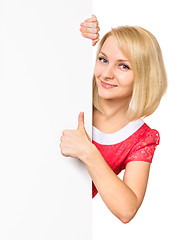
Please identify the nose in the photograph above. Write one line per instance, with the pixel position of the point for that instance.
(108, 72)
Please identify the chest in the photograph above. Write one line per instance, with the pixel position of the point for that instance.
(115, 147)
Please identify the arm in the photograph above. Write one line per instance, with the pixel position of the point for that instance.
(123, 198)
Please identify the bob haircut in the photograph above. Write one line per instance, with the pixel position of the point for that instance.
(150, 79)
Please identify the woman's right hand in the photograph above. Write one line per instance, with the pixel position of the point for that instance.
(90, 29)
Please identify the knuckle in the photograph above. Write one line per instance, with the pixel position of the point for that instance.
(95, 36)
(65, 132)
(63, 151)
(88, 21)
(95, 24)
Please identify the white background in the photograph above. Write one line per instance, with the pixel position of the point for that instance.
(162, 214)
(45, 70)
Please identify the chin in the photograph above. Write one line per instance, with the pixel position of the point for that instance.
(105, 95)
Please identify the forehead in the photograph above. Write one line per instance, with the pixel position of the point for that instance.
(111, 49)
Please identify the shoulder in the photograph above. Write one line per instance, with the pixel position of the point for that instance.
(145, 141)
(148, 135)
(145, 137)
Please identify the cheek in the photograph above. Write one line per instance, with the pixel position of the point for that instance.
(131, 82)
(127, 80)
(98, 69)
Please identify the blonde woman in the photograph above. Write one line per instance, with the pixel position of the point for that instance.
(128, 83)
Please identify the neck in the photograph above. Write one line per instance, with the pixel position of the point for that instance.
(114, 109)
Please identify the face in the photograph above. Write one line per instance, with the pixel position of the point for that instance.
(113, 73)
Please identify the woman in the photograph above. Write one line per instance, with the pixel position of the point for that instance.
(128, 83)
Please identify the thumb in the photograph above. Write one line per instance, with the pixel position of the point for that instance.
(81, 120)
(94, 42)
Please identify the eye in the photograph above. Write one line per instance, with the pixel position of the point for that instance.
(104, 60)
(125, 66)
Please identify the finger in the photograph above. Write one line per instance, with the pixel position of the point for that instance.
(67, 132)
(90, 24)
(92, 19)
(90, 35)
(94, 42)
(88, 30)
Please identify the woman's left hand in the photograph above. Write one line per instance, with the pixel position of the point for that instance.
(76, 143)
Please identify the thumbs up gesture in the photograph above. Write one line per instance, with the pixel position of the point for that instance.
(76, 143)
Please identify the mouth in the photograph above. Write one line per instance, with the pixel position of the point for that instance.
(106, 85)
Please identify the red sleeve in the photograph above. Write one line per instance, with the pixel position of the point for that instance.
(144, 149)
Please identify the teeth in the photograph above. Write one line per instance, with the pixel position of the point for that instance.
(109, 84)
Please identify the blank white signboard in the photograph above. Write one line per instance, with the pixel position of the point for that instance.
(46, 81)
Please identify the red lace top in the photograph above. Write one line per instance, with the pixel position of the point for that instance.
(135, 142)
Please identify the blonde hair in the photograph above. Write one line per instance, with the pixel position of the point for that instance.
(150, 79)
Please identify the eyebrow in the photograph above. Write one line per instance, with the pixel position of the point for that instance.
(119, 60)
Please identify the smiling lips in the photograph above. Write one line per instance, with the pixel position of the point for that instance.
(106, 85)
